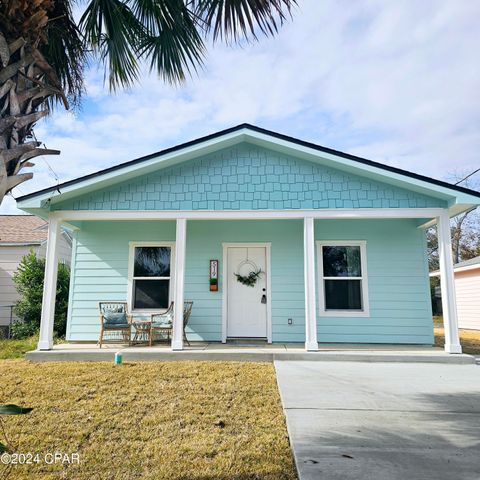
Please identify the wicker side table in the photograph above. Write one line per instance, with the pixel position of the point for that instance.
(142, 331)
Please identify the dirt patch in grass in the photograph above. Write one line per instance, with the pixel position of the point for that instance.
(177, 420)
(469, 339)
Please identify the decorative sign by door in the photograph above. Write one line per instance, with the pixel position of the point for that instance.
(213, 275)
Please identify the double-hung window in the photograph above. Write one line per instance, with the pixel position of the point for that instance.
(150, 275)
(343, 285)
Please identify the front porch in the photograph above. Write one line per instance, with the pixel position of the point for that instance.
(247, 351)
(395, 308)
(348, 251)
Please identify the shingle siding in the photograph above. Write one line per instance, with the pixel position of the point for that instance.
(247, 177)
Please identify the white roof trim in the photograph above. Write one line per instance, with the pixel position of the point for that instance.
(436, 273)
(265, 140)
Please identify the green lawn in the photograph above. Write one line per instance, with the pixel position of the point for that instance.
(17, 348)
(171, 420)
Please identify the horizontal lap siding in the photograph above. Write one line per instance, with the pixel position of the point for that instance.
(204, 242)
(400, 308)
(100, 269)
(64, 250)
(10, 258)
(398, 284)
(467, 288)
(205, 319)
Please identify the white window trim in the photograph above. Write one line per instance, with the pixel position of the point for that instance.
(131, 257)
(364, 278)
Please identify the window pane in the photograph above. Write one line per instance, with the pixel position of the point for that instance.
(343, 295)
(152, 262)
(150, 293)
(341, 261)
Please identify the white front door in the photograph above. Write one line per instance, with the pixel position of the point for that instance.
(246, 312)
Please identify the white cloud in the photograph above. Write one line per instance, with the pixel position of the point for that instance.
(396, 82)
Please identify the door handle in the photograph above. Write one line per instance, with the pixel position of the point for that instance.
(264, 299)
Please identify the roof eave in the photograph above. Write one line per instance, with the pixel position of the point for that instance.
(375, 172)
(21, 244)
(35, 202)
(39, 202)
(465, 268)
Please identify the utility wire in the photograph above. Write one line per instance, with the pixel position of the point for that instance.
(55, 176)
(468, 176)
(51, 169)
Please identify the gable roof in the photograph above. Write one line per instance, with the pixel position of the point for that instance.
(22, 230)
(259, 136)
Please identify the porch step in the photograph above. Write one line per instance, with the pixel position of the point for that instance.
(243, 355)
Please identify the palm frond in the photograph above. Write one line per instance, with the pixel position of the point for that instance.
(65, 51)
(171, 40)
(169, 33)
(114, 32)
(236, 19)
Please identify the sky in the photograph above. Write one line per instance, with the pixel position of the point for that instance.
(395, 82)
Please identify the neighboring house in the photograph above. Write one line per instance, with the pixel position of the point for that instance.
(467, 292)
(339, 241)
(18, 235)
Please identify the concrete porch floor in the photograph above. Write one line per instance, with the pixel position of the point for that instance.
(248, 352)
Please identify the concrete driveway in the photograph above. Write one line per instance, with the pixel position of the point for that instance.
(382, 421)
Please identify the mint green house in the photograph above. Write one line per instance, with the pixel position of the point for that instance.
(335, 243)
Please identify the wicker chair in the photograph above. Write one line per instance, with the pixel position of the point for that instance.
(163, 322)
(187, 310)
(114, 317)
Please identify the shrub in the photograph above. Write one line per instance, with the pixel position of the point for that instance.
(29, 283)
(21, 329)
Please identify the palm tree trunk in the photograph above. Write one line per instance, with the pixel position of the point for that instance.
(27, 83)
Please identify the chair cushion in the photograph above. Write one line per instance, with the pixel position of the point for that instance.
(115, 319)
(162, 323)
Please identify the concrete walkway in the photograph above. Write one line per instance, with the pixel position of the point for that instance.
(248, 352)
(382, 421)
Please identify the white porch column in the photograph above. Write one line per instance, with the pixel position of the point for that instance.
(447, 285)
(180, 244)
(311, 343)
(49, 286)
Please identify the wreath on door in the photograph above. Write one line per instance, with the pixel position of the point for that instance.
(251, 278)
